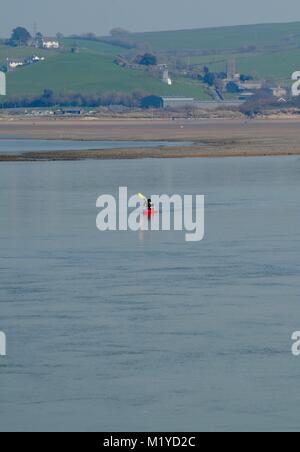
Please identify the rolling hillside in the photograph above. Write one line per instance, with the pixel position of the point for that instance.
(276, 65)
(223, 38)
(22, 52)
(269, 52)
(265, 51)
(90, 71)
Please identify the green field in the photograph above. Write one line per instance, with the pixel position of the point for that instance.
(21, 52)
(99, 48)
(223, 37)
(275, 66)
(267, 51)
(274, 55)
(90, 71)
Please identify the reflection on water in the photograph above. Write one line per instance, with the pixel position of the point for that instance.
(124, 331)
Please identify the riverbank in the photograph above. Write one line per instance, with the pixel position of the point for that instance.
(210, 138)
(128, 154)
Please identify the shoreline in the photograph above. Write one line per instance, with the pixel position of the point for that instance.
(155, 153)
(210, 138)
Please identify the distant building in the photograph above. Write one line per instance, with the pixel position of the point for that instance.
(164, 71)
(51, 43)
(166, 77)
(69, 112)
(35, 59)
(251, 85)
(177, 102)
(245, 96)
(181, 102)
(231, 70)
(14, 63)
(2, 84)
(279, 92)
(214, 105)
(162, 66)
(152, 102)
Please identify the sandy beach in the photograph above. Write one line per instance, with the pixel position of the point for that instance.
(210, 138)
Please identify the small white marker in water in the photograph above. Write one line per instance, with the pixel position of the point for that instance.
(2, 344)
(2, 84)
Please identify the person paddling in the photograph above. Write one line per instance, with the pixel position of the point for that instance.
(149, 204)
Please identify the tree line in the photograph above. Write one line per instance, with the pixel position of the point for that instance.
(20, 36)
(49, 99)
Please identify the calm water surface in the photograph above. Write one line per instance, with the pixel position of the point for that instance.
(125, 331)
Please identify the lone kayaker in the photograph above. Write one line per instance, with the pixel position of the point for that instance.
(149, 204)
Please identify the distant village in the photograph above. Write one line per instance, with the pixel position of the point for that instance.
(229, 89)
(21, 37)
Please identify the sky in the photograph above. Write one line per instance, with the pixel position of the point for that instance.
(100, 16)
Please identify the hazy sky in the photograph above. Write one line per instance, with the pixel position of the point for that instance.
(99, 16)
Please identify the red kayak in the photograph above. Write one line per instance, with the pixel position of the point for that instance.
(150, 213)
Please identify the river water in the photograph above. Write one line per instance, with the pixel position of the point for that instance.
(130, 331)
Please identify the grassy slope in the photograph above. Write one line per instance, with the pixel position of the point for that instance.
(22, 52)
(277, 66)
(93, 71)
(93, 46)
(90, 72)
(270, 63)
(224, 37)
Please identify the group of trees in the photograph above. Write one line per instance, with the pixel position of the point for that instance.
(262, 100)
(151, 102)
(49, 99)
(245, 78)
(20, 37)
(233, 88)
(148, 59)
(115, 39)
(215, 79)
(212, 78)
(119, 37)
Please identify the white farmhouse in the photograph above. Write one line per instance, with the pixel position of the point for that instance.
(279, 92)
(13, 64)
(51, 43)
